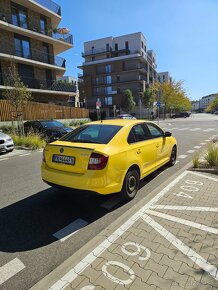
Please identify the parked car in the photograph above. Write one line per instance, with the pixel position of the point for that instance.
(181, 115)
(126, 116)
(216, 112)
(108, 156)
(6, 143)
(49, 129)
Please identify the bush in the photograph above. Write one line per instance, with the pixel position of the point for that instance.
(32, 141)
(8, 129)
(212, 155)
(196, 161)
(76, 123)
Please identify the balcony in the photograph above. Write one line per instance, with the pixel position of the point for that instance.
(33, 54)
(40, 84)
(50, 5)
(104, 50)
(27, 25)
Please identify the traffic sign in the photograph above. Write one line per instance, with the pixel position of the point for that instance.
(98, 104)
(158, 103)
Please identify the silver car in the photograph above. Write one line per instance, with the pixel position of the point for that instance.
(6, 143)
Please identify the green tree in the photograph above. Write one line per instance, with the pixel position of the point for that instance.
(17, 94)
(148, 97)
(213, 106)
(128, 102)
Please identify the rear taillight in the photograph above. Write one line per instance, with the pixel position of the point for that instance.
(97, 161)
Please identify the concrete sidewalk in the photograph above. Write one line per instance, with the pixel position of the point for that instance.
(167, 242)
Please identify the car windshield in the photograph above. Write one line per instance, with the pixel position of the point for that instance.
(51, 124)
(96, 133)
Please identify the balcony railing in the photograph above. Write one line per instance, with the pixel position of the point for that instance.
(26, 24)
(96, 51)
(50, 5)
(41, 84)
(33, 54)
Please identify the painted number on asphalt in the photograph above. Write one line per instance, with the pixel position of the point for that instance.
(189, 187)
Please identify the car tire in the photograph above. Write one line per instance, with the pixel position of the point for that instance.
(10, 150)
(130, 185)
(173, 157)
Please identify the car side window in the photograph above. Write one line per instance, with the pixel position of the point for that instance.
(138, 133)
(155, 131)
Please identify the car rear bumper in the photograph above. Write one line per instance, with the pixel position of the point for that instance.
(92, 180)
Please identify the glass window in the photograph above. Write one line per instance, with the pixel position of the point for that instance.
(22, 47)
(43, 25)
(26, 48)
(19, 17)
(108, 101)
(155, 131)
(107, 80)
(108, 68)
(140, 133)
(45, 53)
(51, 124)
(101, 134)
(108, 90)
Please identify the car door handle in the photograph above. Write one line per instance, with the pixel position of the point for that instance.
(138, 151)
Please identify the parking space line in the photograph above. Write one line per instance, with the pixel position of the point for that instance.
(205, 176)
(183, 222)
(203, 143)
(111, 202)
(1, 159)
(182, 156)
(10, 269)
(197, 147)
(195, 129)
(190, 151)
(70, 230)
(191, 208)
(209, 130)
(182, 129)
(191, 254)
(207, 140)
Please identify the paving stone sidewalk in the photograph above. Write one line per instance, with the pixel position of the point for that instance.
(170, 243)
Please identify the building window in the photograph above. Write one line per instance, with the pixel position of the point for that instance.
(108, 68)
(107, 47)
(108, 101)
(97, 91)
(118, 78)
(116, 46)
(145, 48)
(127, 45)
(22, 47)
(97, 81)
(163, 77)
(118, 90)
(45, 48)
(142, 44)
(43, 25)
(107, 80)
(93, 58)
(108, 90)
(19, 16)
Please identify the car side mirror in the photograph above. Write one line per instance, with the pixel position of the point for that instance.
(167, 134)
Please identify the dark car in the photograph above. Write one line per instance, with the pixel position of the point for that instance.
(51, 130)
(181, 115)
(125, 116)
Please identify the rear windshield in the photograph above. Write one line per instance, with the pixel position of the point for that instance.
(98, 133)
(51, 124)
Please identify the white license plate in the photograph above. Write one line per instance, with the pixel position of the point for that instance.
(70, 160)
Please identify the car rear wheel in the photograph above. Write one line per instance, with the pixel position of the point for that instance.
(173, 157)
(130, 185)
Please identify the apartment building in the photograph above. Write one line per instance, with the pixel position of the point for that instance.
(30, 38)
(114, 64)
(164, 77)
(73, 100)
(206, 100)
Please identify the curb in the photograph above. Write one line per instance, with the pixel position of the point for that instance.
(206, 170)
(69, 263)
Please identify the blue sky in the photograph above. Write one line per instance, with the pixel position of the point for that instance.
(183, 33)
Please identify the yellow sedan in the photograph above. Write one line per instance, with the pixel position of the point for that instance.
(108, 156)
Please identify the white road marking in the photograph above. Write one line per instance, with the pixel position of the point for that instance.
(209, 130)
(182, 156)
(195, 129)
(1, 159)
(22, 155)
(207, 140)
(111, 202)
(190, 151)
(10, 269)
(68, 278)
(191, 208)
(70, 230)
(197, 147)
(177, 161)
(196, 258)
(205, 176)
(203, 143)
(173, 128)
(182, 129)
(183, 222)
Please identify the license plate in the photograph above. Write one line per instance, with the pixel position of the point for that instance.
(63, 159)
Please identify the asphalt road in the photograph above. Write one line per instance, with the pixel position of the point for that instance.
(32, 213)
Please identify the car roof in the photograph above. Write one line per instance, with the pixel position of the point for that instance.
(119, 122)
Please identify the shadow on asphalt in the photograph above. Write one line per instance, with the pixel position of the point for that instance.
(30, 223)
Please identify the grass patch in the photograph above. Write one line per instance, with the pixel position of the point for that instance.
(196, 160)
(76, 123)
(32, 141)
(211, 155)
